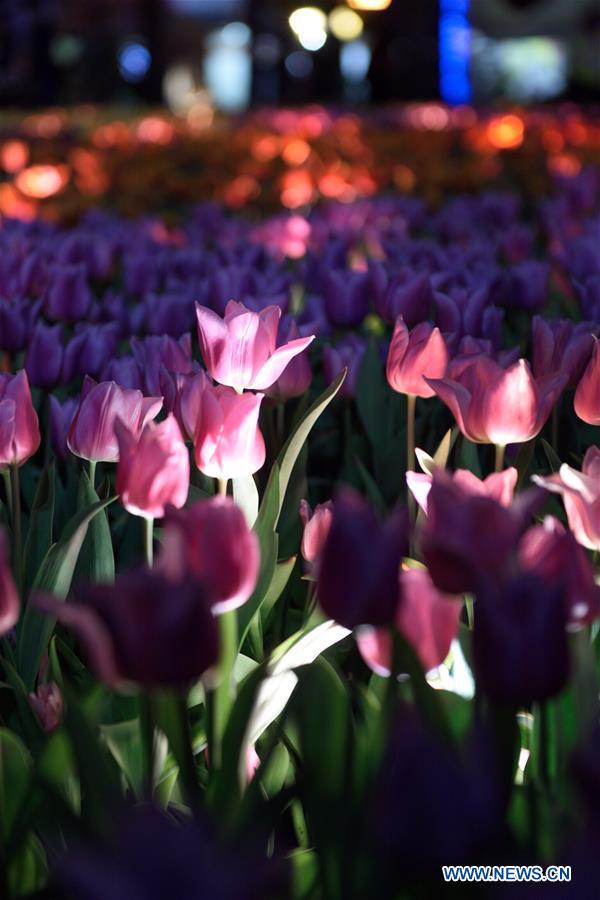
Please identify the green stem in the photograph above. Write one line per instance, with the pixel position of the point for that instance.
(92, 472)
(223, 693)
(15, 491)
(280, 425)
(148, 746)
(222, 487)
(499, 461)
(149, 541)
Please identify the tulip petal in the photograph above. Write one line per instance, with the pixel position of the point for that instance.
(274, 366)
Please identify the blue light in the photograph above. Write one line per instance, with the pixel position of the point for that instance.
(134, 61)
(455, 51)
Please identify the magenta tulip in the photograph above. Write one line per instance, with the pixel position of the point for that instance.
(413, 355)
(581, 495)
(19, 426)
(499, 406)
(224, 428)
(153, 469)
(552, 553)
(9, 598)
(427, 618)
(211, 542)
(92, 433)
(240, 350)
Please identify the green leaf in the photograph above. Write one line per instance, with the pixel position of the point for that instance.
(28, 871)
(371, 487)
(39, 536)
(15, 777)
(281, 576)
(269, 544)
(469, 457)
(372, 394)
(96, 561)
(281, 473)
(440, 457)
(551, 455)
(54, 577)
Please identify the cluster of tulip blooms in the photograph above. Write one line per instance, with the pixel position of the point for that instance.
(298, 532)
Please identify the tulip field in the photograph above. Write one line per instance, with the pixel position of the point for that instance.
(300, 508)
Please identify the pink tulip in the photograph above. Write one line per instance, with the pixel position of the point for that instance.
(224, 428)
(19, 426)
(47, 704)
(92, 433)
(211, 542)
(413, 355)
(153, 469)
(316, 528)
(587, 395)
(9, 599)
(427, 618)
(500, 486)
(499, 406)
(581, 495)
(241, 350)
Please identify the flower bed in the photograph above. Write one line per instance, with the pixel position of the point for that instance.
(299, 510)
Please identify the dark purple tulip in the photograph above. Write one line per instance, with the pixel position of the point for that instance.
(408, 295)
(420, 779)
(346, 295)
(313, 318)
(152, 354)
(561, 346)
(588, 292)
(61, 416)
(520, 648)
(528, 285)
(68, 297)
(296, 378)
(151, 855)
(44, 358)
(125, 371)
(113, 308)
(465, 536)
(348, 353)
(517, 243)
(171, 314)
(87, 352)
(13, 324)
(551, 552)
(144, 628)
(358, 578)
(33, 274)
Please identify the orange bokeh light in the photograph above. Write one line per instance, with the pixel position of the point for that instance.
(14, 156)
(42, 181)
(506, 132)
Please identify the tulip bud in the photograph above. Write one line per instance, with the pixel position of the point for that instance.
(44, 357)
(47, 704)
(211, 542)
(316, 528)
(413, 355)
(153, 469)
(19, 426)
(92, 433)
(9, 599)
(224, 428)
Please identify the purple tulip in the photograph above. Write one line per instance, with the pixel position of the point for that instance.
(44, 357)
(61, 417)
(346, 295)
(360, 563)
(152, 855)
(87, 352)
(68, 296)
(520, 646)
(143, 629)
(348, 353)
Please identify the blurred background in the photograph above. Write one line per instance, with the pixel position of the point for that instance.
(233, 54)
